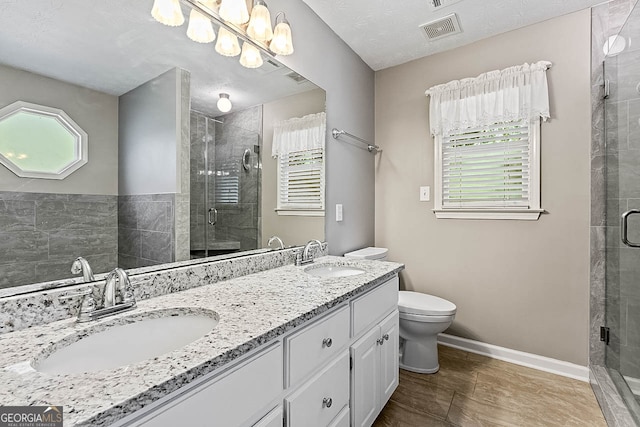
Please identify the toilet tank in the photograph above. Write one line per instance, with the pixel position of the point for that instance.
(371, 252)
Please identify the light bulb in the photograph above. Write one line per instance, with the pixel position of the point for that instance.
(250, 57)
(260, 24)
(224, 104)
(167, 12)
(200, 28)
(282, 43)
(227, 43)
(234, 11)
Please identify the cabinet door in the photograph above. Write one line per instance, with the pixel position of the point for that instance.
(389, 369)
(365, 379)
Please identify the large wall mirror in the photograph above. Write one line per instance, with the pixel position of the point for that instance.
(169, 177)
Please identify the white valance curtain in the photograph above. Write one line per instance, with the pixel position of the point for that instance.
(299, 134)
(515, 93)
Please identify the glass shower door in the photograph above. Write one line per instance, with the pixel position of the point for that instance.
(622, 123)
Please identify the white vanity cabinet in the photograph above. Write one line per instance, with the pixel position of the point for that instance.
(374, 374)
(337, 370)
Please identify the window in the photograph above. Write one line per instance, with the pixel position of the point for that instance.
(298, 144)
(487, 144)
(40, 142)
(301, 181)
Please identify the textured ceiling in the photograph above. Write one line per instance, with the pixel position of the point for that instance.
(385, 33)
(114, 46)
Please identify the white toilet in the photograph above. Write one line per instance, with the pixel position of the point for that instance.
(422, 318)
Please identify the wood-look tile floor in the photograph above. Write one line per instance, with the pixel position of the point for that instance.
(474, 390)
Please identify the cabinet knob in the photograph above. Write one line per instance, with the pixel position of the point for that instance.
(327, 402)
(386, 337)
(380, 341)
(327, 342)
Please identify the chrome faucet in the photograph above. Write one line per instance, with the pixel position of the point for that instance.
(81, 265)
(117, 297)
(276, 239)
(304, 256)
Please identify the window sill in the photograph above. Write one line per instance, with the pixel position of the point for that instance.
(517, 214)
(299, 212)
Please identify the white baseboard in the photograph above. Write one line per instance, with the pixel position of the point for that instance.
(634, 384)
(547, 364)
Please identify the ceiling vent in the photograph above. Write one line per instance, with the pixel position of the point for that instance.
(441, 27)
(439, 4)
(296, 77)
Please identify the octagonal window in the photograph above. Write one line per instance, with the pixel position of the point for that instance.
(40, 142)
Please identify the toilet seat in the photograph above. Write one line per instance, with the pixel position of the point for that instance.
(419, 304)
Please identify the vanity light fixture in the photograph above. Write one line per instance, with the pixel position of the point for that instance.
(167, 12)
(250, 57)
(200, 27)
(282, 43)
(260, 23)
(234, 11)
(227, 44)
(224, 103)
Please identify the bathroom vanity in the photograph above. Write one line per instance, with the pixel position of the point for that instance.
(289, 349)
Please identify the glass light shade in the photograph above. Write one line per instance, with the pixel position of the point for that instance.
(234, 11)
(167, 12)
(227, 43)
(250, 57)
(260, 24)
(282, 44)
(200, 28)
(224, 104)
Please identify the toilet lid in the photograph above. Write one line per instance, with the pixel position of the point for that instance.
(427, 305)
(368, 253)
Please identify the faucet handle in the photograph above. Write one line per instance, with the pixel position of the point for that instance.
(87, 303)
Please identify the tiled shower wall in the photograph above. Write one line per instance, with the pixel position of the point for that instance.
(42, 233)
(238, 223)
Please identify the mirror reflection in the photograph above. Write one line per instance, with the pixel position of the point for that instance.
(169, 176)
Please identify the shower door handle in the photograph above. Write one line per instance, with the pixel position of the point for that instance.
(213, 211)
(623, 230)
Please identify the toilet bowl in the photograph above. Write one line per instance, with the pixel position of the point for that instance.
(422, 318)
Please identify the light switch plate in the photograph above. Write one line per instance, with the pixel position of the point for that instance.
(338, 212)
(425, 194)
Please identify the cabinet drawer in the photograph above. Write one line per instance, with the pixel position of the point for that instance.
(373, 306)
(228, 400)
(310, 406)
(272, 419)
(316, 344)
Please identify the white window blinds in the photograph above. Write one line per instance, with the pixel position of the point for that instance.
(301, 179)
(487, 166)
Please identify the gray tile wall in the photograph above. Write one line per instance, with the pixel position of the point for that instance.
(41, 234)
(146, 230)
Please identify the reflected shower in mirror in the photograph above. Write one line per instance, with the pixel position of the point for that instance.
(169, 176)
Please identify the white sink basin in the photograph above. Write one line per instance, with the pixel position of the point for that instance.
(324, 270)
(157, 333)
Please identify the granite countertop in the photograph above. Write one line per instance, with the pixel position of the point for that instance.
(252, 310)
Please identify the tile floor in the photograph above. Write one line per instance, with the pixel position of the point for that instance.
(474, 390)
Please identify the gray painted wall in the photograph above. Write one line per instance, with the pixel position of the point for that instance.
(325, 59)
(149, 135)
(95, 112)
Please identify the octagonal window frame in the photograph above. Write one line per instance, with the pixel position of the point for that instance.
(81, 146)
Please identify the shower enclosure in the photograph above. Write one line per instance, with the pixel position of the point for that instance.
(621, 331)
(225, 190)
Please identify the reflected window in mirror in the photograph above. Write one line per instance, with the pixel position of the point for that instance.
(37, 141)
(298, 144)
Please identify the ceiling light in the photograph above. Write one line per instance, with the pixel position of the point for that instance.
(282, 44)
(224, 104)
(167, 12)
(250, 57)
(227, 43)
(234, 11)
(200, 28)
(614, 45)
(260, 23)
